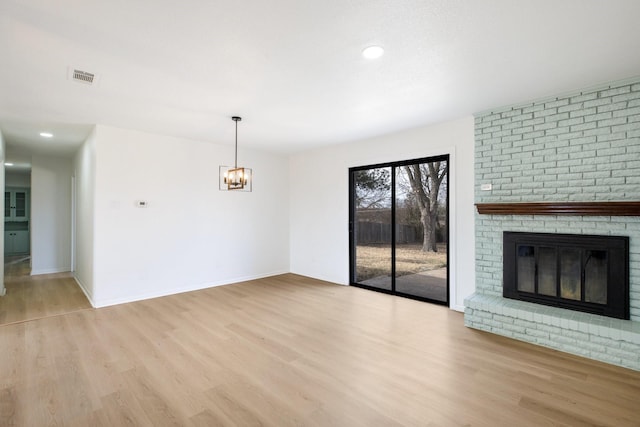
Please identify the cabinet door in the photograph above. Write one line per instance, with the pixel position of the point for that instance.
(20, 204)
(20, 242)
(8, 242)
(16, 242)
(16, 204)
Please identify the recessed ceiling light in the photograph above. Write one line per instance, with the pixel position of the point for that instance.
(373, 52)
(46, 134)
(8, 164)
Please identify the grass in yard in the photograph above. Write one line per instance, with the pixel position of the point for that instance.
(375, 260)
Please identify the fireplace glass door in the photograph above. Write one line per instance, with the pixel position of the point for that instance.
(537, 269)
(578, 272)
(595, 277)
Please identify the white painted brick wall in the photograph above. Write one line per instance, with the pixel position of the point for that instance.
(611, 340)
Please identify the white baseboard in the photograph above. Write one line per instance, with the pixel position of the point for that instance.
(457, 307)
(174, 291)
(84, 291)
(49, 271)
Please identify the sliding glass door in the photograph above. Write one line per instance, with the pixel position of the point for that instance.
(399, 228)
(373, 216)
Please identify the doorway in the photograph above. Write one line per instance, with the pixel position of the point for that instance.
(16, 222)
(399, 228)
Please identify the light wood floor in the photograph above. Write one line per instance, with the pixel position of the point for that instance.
(290, 351)
(32, 297)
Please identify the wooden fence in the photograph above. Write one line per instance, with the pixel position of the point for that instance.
(376, 232)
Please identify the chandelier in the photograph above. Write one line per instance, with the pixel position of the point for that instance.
(235, 178)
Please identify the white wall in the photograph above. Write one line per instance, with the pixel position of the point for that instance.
(319, 200)
(2, 170)
(191, 235)
(84, 167)
(50, 214)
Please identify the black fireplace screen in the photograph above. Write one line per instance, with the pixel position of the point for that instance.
(577, 272)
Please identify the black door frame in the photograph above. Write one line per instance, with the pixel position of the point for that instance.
(352, 212)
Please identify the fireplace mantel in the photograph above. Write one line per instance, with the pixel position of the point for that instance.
(561, 208)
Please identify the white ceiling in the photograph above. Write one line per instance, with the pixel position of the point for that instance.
(292, 68)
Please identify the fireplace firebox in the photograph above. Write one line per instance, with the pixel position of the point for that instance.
(577, 272)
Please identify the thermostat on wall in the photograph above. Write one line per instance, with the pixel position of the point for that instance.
(485, 187)
(141, 203)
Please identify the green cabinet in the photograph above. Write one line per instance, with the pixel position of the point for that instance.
(16, 242)
(16, 221)
(16, 204)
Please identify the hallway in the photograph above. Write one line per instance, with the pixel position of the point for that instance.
(34, 297)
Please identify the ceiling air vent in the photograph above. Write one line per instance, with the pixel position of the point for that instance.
(82, 76)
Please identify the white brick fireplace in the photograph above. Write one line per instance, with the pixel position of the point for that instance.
(581, 147)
